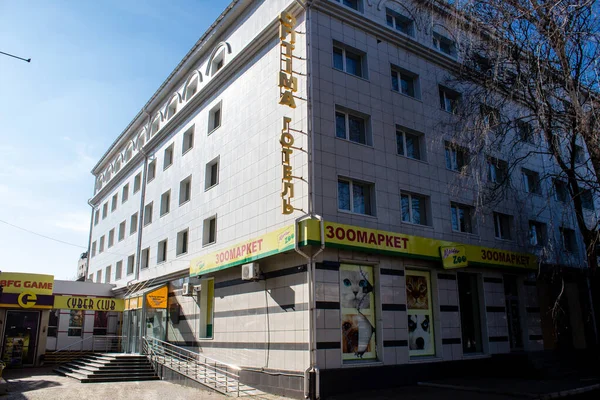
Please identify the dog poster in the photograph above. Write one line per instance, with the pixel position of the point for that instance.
(420, 313)
(357, 301)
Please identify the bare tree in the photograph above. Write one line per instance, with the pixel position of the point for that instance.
(529, 72)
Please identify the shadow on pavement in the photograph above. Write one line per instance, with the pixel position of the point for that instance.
(28, 379)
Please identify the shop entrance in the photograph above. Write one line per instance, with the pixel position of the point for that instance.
(20, 338)
(470, 313)
(515, 332)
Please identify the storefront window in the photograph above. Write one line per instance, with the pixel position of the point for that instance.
(53, 323)
(420, 314)
(100, 322)
(358, 312)
(76, 323)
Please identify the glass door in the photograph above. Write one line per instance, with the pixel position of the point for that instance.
(20, 337)
(515, 332)
(135, 317)
(470, 313)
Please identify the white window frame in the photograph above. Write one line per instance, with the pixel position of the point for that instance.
(394, 15)
(148, 211)
(161, 251)
(183, 245)
(527, 174)
(208, 176)
(130, 264)
(451, 150)
(499, 232)
(188, 140)
(438, 38)
(133, 223)
(401, 131)
(217, 108)
(206, 231)
(421, 198)
(448, 95)
(347, 114)
(355, 52)
(125, 194)
(151, 171)
(137, 183)
(371, 190)
(165, 203)
(187, 182)
(403, 74)
(469, 223)
(111, 238)
(169, 156)
(145, 261)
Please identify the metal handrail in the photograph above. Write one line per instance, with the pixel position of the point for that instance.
(220, 376)
(99, 344)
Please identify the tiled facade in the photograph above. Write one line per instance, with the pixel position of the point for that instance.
(345, 125)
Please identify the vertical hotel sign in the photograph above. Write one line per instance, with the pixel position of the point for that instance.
(288, 84)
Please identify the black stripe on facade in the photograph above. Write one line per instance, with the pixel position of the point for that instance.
(393, 307)
(535, 337)
(492, 280)
(451, 341)
(498, 339)
(328, 265)
(393, 272)
(328, 305)
(267, 275)
(244, 345)
(532, 309)
(495, 309)
(328, 345)
(263, 310)
(448, 308)
(395, 343)
(448, 277)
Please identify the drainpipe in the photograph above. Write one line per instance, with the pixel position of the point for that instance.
(87, 262)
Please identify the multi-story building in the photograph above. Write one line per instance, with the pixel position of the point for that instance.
(305, 145)
(81, 266)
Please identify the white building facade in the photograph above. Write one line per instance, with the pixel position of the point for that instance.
(308, 144)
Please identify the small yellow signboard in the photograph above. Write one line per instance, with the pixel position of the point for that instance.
(454, 257)
(88, 303)
(157, 298)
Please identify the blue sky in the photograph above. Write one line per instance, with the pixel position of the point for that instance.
(94, 65)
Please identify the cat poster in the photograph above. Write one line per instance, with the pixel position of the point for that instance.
(357, 301)
(419, 313)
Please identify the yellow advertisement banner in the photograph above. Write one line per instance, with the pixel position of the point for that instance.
(454, 257)
(88, 303)
(253, 249)
(158, 298)
(15, 282)
(133, 303)
(393, 243)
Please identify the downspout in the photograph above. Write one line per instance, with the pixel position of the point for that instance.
(87, 262)
(138, 250)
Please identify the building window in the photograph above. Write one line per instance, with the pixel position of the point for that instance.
(125, 195)
(76, 322)
(212, 174)
(214, 118)
(490, 116)
(115, 200)
(414, 208)
(569, 241)
(408, 144)
(537, 233)
(349, 60)
(133, 224)
(210, 231)
(587, 199)
(172, 109)
(182, 242)
(185, 190)
(355, 196)
(145, 258)
(399, 22)
(94, 249)
(503, 226)
(130, 264)
(121, 231)
(353, 4)
(137, 183)
(151, 171)
(165, 203)
(444, 44)
(168, 161)
(462, 218)
(107, 273)
(148, 213)
(111, 238)
(99, 276)
(456, 157)
(449, 99)
(218, 62)
(207, 299)
(525, 131)
(100, 323)
(101, 249)
(405, 82)
(188, 140)
(53, 323)
(104, 210)
(119, 270)
(96, 217)
(154, 127)
(561, 192)
(351, 126)
(497, 170)
(161, 254)
(531, 181)
(191, 89)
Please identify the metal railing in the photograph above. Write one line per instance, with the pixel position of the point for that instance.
(212, 373)
(90, 344)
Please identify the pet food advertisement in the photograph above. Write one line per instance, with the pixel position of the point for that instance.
(357, 301)
(420, 314)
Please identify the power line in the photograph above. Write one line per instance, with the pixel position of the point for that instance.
(17, 57)
(44, 236)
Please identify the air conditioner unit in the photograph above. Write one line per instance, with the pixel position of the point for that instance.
(188, 289)
(250, 272)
